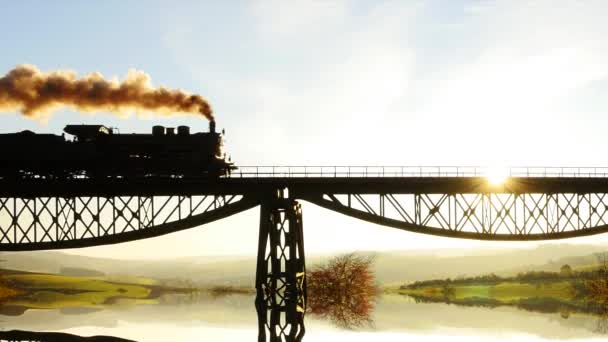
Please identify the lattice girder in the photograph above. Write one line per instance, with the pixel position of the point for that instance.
(483, 216)
(66, 222)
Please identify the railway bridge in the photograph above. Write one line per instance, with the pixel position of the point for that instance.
(538, 203)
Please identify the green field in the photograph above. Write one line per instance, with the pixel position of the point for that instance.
(504, 292)
(50, 291)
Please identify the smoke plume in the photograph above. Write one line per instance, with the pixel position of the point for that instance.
(36, 94)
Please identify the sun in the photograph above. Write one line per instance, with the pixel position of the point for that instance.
(496, 175)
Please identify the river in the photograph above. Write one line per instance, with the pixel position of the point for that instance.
(233, 318)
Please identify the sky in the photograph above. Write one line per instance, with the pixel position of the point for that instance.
(517, 83)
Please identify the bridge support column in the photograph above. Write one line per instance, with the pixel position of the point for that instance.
(280, 274)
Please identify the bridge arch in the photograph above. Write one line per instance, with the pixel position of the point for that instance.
(478, 216)
(38, 223)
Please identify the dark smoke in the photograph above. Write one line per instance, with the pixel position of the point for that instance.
(36, 94)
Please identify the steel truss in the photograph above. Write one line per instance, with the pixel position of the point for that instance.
(65, 222)
(485, 216)
(280, 275)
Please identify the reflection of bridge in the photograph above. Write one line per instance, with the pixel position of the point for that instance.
(31, 336)
(532, 204)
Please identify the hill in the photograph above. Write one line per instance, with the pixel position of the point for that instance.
(390, 267)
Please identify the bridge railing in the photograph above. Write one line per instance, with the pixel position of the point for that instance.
(414, 171)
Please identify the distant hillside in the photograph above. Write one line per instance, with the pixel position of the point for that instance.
(579, 262)
(402, 266)
(390, 267)
(201, 270)
(80, 272)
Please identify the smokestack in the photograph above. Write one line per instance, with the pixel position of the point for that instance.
(212, 126)
(158, 131)
(183, 130)
(35, 93)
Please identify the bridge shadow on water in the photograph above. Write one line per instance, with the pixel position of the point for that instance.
(31, 336)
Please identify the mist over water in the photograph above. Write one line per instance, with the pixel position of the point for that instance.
(233, 317)
(127, 310)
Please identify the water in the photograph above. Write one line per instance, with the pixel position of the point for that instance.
(233, 318)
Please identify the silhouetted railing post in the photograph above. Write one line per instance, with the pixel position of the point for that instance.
(280, 275)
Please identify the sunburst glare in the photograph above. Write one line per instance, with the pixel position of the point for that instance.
(496, 175)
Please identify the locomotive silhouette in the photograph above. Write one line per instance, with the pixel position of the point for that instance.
(96, 151)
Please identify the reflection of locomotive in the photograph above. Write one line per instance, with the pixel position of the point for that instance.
(98, 151)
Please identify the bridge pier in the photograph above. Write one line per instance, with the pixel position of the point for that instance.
(280, 275)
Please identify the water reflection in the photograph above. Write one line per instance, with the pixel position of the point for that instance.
(546, 305)
(233, 317)
(30, 336)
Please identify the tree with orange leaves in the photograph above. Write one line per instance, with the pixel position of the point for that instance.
(343, 290)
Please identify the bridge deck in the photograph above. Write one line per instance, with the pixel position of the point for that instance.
(414, 171)
(298, 186)
(39, 213)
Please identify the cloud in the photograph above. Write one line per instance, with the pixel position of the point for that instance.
(327, 74)
(527, 62)
(298, 18)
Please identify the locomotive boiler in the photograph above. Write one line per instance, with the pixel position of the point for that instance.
(97, 151)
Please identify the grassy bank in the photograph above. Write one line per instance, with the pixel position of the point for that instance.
(50, 291)
(505, 292)
(568, 291)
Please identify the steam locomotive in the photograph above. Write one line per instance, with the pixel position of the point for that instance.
(96, 151)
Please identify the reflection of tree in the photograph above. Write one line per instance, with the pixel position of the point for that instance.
(8, 289)
(225, 290)
(598, 288)
(447, 291)
(597, 293)
(343, 290)
(601, 325)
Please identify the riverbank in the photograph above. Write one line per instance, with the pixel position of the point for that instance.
(20, 291)
(548, 293)
(506, 292)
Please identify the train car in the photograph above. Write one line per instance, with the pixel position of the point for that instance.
(96, 151)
